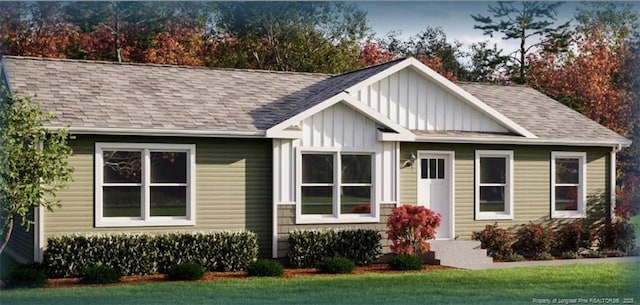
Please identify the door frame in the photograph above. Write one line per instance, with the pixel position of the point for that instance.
(452, 182)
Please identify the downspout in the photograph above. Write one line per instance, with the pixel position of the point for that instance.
(612, 180)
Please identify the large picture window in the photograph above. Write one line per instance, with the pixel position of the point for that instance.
(336, 185)
(494, 184)
(568, 184)
(144, 184)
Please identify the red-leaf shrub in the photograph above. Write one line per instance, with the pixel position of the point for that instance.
(497, 241)
(572, 236)
(532, 240)
(409, 228)
(628, 197)
(364, 208)
(619, 235)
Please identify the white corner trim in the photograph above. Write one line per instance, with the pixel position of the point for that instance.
(612, 181)
(509, 214)
(450, 87)
(38, 238)
(276, 180)
(582, 188)
(277, 130)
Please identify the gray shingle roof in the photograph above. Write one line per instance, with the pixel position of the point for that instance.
(90, 94)
(538, 113)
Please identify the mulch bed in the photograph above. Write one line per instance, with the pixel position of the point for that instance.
(217, 276)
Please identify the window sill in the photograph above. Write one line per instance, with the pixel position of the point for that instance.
(330, 219)
(106, 223)
(493, 216)
(561, 215)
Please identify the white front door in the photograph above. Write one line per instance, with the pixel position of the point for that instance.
(435, 177)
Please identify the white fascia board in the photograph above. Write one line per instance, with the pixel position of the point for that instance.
(344, 97)
(393, 137)
(449, 86)
(523, 141)
(162, 132)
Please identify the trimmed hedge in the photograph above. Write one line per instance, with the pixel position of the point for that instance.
(137, 254)
(336, 265)
(308, 248)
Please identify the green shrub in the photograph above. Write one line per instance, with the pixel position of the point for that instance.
(138, 254)
(405, 262)
(185, 272)
(514, 258)
(532, 240)
(101, 274)
(308, 248)
(595, 254)
(336, 265)
(544, 256)
(497, 241)
(27, 276)
(265, 267)
(570, 255)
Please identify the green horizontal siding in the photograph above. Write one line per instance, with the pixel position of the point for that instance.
(532, 182)
(233, 188)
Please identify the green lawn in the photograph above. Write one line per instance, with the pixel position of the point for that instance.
(498, 286)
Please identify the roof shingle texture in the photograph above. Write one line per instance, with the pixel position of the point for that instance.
(122, 95)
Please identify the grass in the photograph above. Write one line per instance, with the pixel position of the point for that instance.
(497, 286)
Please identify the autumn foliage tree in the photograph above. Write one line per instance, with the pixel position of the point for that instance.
(409, 228)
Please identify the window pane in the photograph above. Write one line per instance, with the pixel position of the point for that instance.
(493, 169)
(168, 200)
(355, 200)
(317, 200)
(492, 199)
(168, 167)
(567, 170)
(566, 198)
(424, 168)
(121, 166)
(356, 168)
(317, 168)
(432, 168)
(121, 201)
(440, 168)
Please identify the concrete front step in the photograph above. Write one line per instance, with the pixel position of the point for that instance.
(465, 254)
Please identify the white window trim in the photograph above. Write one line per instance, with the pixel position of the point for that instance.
(509, 213)
(582, 186)
(146, 219)
(337, 217)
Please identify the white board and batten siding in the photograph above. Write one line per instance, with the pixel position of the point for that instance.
(416, 103)
(337, 128)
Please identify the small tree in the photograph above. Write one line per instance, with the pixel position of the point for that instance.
(33, 163)
(409, 228)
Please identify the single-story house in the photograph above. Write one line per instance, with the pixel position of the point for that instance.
(160, 148)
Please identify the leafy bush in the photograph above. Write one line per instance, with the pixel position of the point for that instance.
(497, 241)
(409, 228)
(514, 258)
(532, 240)
(27, 276)
(335, 265)
(570, 255)
(571, 237)
(185, 272)
(595, 254)
(544, 256)
(265, 267)
(618, 235)
(101, 274)
(405, 262)
(137, 254)
(308, 248)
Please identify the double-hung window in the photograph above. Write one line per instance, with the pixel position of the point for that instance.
(568, 172)
(335, 186)
(144, 184)
(494, 184)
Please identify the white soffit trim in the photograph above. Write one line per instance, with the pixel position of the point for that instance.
(449, 86)
(515, 140)
(403, 133)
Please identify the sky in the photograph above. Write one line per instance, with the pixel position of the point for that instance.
(452, 16)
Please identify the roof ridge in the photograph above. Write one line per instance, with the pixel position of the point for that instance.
(371, 67)
(504, 84)
(104, 62)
